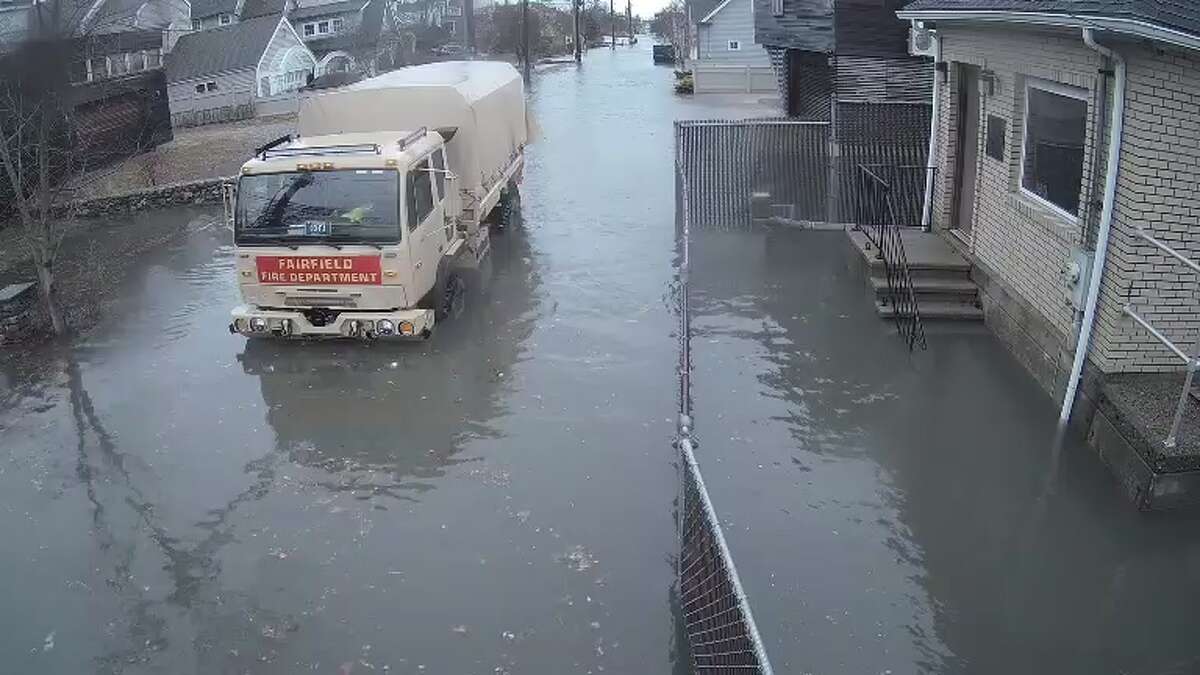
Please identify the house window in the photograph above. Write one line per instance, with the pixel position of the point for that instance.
(197, 24)
(154, 58)
(735, 45)
(420, 195)
(206, 87)
(323, 27)
(137, 62)
(777, 7)
(79, 71)
(225, 19)
(99, 67)
(117, 65)
(450, 26)
(1052, 154)
(309, 30)
(337, 25)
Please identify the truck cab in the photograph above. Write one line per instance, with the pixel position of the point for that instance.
(347, 235)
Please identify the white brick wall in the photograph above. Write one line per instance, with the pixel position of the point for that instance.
(1026, 244)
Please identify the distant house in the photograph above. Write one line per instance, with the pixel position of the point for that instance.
(343, 34)
(727, 58)
(1027, 112)
(850, 51)
(244, 69)
(119, 92)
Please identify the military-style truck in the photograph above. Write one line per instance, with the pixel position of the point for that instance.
(367, 223)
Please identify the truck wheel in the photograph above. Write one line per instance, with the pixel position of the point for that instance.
(452, 291)
(507, 207)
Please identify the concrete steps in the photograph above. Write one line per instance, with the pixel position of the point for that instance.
(941, 278)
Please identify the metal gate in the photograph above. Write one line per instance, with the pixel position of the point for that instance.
(734, 165)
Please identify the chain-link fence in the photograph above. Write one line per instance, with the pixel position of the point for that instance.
(720, 628)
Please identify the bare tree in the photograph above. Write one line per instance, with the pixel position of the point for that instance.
(34, 142)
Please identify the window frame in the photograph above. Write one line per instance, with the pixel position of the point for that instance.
(337, 24)
(327, 31)
(410, 194)
(1066, 91)
(197, 24)
(225, 20)
(734, 45)
(776, 7)
(309, 29)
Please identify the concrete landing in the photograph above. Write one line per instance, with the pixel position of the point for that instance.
(941, 277)
(1133, 417)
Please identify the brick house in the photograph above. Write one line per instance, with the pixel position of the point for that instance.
(1026, 111)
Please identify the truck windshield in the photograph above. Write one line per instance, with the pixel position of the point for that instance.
(353, 205)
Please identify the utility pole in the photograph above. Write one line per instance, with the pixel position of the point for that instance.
(629, 18)
(469, 17)
(612, 24)
(578, 47)
(525, 36)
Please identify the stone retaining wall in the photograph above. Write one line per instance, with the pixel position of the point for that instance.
(206, 191)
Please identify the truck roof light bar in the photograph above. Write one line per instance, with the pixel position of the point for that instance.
(414, 136)
(355, 149)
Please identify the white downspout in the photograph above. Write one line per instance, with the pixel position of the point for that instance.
(1106, 217)
(931, 155)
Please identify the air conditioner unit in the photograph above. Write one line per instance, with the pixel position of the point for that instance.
(922, 42)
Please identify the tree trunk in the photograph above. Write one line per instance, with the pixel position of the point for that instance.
(45, 276)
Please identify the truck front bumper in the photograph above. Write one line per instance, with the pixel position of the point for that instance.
(259, 322)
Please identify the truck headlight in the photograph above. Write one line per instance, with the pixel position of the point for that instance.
(406, 328)
(385, 327)
(258, 324)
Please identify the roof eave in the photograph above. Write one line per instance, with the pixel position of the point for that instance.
(1135, 27)
(716, 10)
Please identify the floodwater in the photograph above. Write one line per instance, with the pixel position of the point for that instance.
(897, 513)
(496, 500)
(499, 499)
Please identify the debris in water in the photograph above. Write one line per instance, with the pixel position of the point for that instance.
(48, 643)
(578, 559)
(460, 629)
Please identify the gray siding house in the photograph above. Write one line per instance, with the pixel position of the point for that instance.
(1027, 115)
(237, 71)
(727, 58)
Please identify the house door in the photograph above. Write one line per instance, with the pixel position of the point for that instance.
(967, 143)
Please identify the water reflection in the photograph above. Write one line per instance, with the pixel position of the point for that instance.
(390, 417)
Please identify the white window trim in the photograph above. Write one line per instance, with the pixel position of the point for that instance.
(225, 20)
(735, 45)
(1061, 90)
(316, 27)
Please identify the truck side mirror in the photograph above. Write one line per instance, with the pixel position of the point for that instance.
(228, 198)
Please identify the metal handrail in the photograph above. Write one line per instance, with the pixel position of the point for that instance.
(1193, 362)
(883, 231)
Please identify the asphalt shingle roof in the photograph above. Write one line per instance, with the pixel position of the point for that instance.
(1181, 15)
(233, 47)
(203, 8)
(344, 7)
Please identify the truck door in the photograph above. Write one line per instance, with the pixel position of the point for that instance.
(427, 239)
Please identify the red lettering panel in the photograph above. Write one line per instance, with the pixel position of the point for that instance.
(322, 270)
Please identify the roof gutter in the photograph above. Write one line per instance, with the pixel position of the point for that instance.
(1115, 134)
(1136, 27)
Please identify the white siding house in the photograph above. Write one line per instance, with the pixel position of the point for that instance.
(249, 68)
(727, 58)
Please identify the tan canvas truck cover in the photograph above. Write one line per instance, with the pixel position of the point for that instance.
(483, 102)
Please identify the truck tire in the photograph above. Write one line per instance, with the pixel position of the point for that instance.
(450, 292)
(507, 208)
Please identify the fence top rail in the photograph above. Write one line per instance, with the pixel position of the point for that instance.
(761, 121)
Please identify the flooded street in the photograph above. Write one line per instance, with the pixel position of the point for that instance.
(500, 498)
